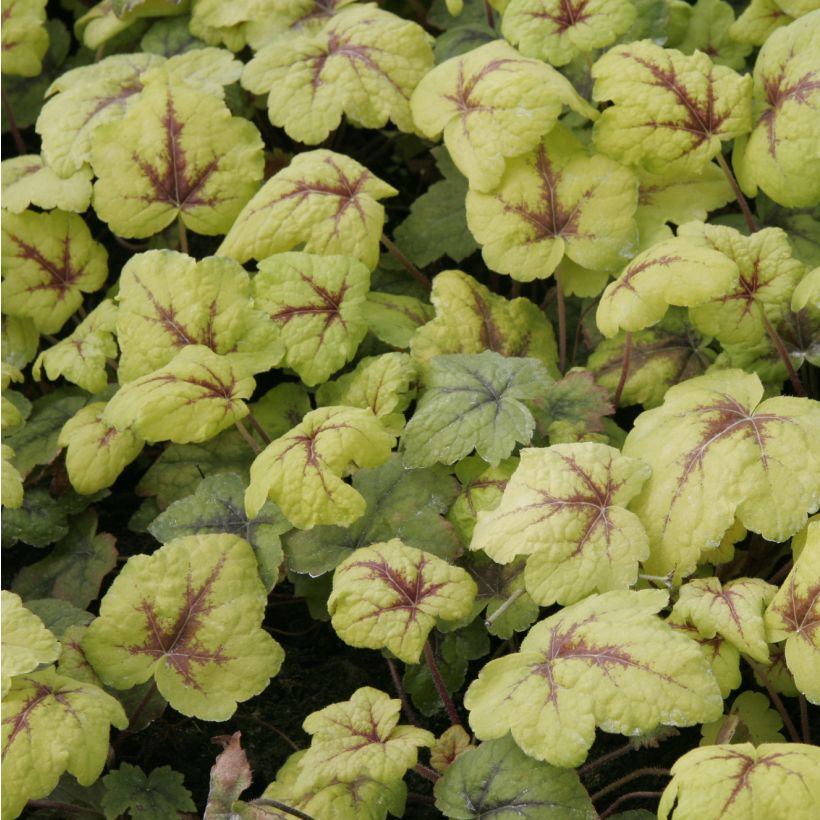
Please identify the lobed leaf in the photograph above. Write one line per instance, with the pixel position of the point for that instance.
(27, 180)
(156, 796)
(24, 37)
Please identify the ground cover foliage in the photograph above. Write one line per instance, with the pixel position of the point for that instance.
(413, 398)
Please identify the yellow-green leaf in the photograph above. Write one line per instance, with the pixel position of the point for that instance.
(27, 180)
(12, 488)
(25, 37)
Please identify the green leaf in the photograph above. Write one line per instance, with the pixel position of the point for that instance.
(75, 568)
(482, 487)
(722, 656)
(605, 661)
(364, 63)
(452, 743)
(758, 21)
(58, 615)
(794, 614)
(27, 643)
(460, 39)
(777, 155)
(718, 454)
(195, 396)
(12, 492)
(302, 471)
(49, 261)
(557, 31)
(27, 180)
(491, 104)
(709, 31)
(471, 318)
(177, 152)
(106, 20)
(25, 38)
(754, 720)
(498, 780)
(157, 796)
(684, 271)
(189, 615)
(394, 318)
(270, 23)
(735, 782)
(316, 301)
(230, 776)
(473, 402)
(565, 507)
(325, 200)
(20, 341)
(575, 399)
(218, 507)
(390, 595)
(671, 111)
(63, 725)
(406, 504)
(552, 201)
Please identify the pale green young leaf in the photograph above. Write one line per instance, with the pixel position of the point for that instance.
(49, 261)
(723, 658)
(558, 31)
(110, 18)
(195, 396)
(671, 110)
(25, 37)
(168, 300)
(157, 796)
(797, 8)
(447, 748)
(736, 782)
(26, 642)
(491, 104)
(684, 271)
(756, 722)
(364, 63)
(389, 595)
(217, 507)
(807, 292)
(302, 471)
(565, 507)
(316, 301)
(12, 488)
(189, 615)
(552, 201)
(709, 31)
(473, 403)
(758, 20)
(230, 776)
(471, 318)
(215, 21)
(177, 152)
(325, 200)
(606, 661)
(482, 487)
(717, 453)
(27, 180)
(276, 21)
(394, 318)
(498, 780)
(61, 723)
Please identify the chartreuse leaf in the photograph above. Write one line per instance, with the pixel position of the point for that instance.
(552, 201)
(325, 200)
(217, 507)
(670, 109)
(733, 610)
(753, 718)
(216, 22)
(26, 641)
(406, 504)
(606, 661)
(393, 318)
(807, 292)
(447, 748)
(49, 261)
(364, 63)
(758, 21)
(61, 723)
(794, 614)
(81, 358)
(176, 152)
(558, 31)
(471, 318)
(389, 596)
(12, 491)
(168, 300)
(27, 180)
(482, 487)
(195, 396)
(565, 507)
(491, 104)
(708, 31)
(156, 796)
(768, 275)
(358, 737)
(302, 471)
(778, 156)
(230, 776)
(282, 407)
(573, 402)
(189, 615)
(287, 20)
(108, 18)
(498, 780)
(473, 402)
(683, 271)
(735, 782)
(723, 658)
(316, 301)
(20, 340)
(716, 454)
(25, 38)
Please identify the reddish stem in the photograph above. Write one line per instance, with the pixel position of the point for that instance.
(623, 798)
(488, 10)
(15, 131)
(430, 658)
(406, 263)
(562, 323)
(248, 437)
(426, 772)
(624, 369)
(776, 700)
(616, 784)
(405, 703)
(784, 355)
(741, 200)
(258, 427)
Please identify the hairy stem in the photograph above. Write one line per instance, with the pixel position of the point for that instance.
(623, 798)
(805, 727)
(406, 263)
(68, 809)
(276, 804)
(776, 700)
(426, 772)
(607, 758)
(19, 144)
(275, 729)
(488, 622)
(727, 731)
(624, 369)
(616, 784)
(183, 236)
(258, 427)
(430, 658)
(405, 702)
(248, 437)
(784, 355)
(751, 223)
(562, 322)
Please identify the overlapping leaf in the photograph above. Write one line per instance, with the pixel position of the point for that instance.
(758, 20)
(491, 104)
(27, 180)
(722, 656)
(393, 318)
(25, 37)
(189, 615)
(482, 488)
(751, 718)
(390, 595)
(325, 200)
(274, 22)
(605, 661)
(12, 488)
(574, 405)
(160, 794)
(26, 642)
(717, 453)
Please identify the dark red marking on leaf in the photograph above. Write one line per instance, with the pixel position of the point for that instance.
(802, 614)
(63, 276)
(726, 596)
(632, 271)
(778, 93)
(329, 305)
(124, 93)
(320, 10)
(489, 333)
(570, 14)
(462, 98)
